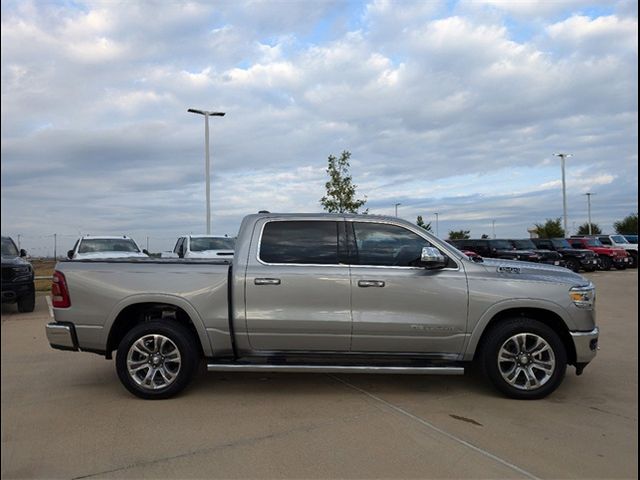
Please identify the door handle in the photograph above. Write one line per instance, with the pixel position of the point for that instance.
(370, 283)
(267, 281)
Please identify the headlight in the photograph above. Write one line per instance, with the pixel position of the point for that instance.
(583, 297)
(26, 270)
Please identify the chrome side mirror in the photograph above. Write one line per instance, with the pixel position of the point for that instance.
(431, 258)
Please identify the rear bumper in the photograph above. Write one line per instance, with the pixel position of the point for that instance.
(62, 336)
(586, 345)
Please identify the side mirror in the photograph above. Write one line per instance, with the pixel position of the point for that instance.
(431, 258)
(70, 254)
(145, 251)
(23, 252)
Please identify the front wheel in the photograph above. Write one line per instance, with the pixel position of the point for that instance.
(524, 358)
(605, 263)
(156, 359)
(27, 303)
(573, 265)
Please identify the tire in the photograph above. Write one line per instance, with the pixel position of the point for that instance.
(590, 269)
(27, 303)
(573, 265)
(634, 261)
(531, 381)
(605, 263)
(164, 355)
(620, 266)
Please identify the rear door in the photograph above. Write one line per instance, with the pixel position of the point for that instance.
(399, 306)
(297, 292)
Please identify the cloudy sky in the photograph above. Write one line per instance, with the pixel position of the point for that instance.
(453, 107)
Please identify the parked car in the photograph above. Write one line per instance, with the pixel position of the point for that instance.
(550, 257)
(495, 248)
(609, 256)
(204, 246)
(329, 293)
(88, 247)
(619, 241)
(17, 277)
(574, 258)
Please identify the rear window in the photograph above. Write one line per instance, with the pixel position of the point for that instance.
(307, 242)
(202, 244)
(107, 245)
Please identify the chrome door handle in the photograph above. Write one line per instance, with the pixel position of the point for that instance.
(267, 281)
(370, 283)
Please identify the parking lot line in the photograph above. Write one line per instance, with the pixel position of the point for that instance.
(436, 429)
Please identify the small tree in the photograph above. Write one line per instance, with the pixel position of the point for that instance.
(550, 229)
(341, 192)
(628, 225)
(420, 223)
(584, 229)
(459, 234)
(484, 236)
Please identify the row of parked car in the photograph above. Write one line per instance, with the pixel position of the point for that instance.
(577, 253)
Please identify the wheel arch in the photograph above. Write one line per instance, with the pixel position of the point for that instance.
(546, 316)
(137, 309)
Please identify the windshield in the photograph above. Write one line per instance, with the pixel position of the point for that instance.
(593, 242)
(560, 243)
(202, 244)
(94, 245)
(501, 244)
(523, 244)
(8, 247)
(619, 239)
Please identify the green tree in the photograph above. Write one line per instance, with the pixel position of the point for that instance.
(628, 225)
(341, 192)
(550, 229)
(584, 229)
(420, 223)
(459, 234)
(484, 236)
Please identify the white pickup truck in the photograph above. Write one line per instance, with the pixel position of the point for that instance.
(327, 293)
(89, 246)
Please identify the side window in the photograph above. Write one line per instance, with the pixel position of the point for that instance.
(178, 245)
(308, 242)
(544, 244)
(605, 240)
(576, 244)
(387, 245)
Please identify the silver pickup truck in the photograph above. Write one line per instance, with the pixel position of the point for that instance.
(327, 293)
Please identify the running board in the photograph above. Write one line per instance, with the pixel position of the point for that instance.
(244, 367)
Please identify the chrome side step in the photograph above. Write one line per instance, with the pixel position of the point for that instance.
(244, 367)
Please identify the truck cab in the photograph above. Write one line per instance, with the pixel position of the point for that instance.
(204, 246)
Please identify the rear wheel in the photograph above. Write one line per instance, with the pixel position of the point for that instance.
(573, 265)
(633, 260)
(156, 359)
(524, 358)
(27, 303)
(605, 263)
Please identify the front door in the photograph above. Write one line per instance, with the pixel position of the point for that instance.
(297, 292)
(399, 306)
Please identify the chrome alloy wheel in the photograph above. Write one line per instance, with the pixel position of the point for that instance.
(153, 362)
(526, 361)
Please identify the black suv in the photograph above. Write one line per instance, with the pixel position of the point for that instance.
(492, 248)
(550, 257)
(574, 258)
(17, 277)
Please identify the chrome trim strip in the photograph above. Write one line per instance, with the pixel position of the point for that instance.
(230, 367)
(582, 342)
(60, 335)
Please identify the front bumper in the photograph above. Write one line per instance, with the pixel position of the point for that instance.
(586, 345)
(590, 262)
(11, 291)
(620, 261)
(62, 336)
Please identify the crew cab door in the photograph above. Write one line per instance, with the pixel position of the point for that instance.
(297, 294)
(397, 305)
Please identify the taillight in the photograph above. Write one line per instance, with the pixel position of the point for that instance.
(59, 291)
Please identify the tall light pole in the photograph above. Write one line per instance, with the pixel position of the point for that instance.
(437, 234)
(206, 115)
(588, 194)
(563, 157)
(396, 205)
(493, 228)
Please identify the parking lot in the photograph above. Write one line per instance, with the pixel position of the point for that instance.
(65, 415)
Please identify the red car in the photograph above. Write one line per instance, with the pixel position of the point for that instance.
(609, 256)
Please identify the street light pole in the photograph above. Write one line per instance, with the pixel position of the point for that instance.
(493, 228)
(437, 234)
(206, 115)
(396, 205)
(588, 194)
(563, 157)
